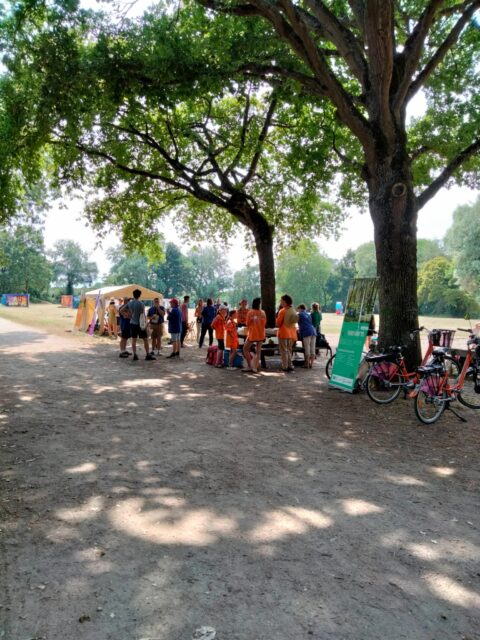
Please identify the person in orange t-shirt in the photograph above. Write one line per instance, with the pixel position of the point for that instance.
(256, 321)
(231, 337)
(242, 313)
(287, 331)
(219, 325)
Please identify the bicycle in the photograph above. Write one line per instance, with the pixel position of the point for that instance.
(434, 393)
(388, 375)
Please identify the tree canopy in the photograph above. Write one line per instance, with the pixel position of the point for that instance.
(162, 127)
(71, 265)
(463, 242)
(24, 268)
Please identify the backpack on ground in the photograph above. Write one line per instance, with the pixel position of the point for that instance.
(211, 354)
(238, 360)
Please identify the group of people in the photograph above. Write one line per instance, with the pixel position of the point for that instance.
(224, 322)
(136, 323)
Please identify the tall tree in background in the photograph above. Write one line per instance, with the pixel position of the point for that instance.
(24, 267)
(245, 284)
(338, 283)
(71, 265)
(303, 273)
(463, 243)
(175, 275)
(369, 59)
(210, 271)
(439, 293)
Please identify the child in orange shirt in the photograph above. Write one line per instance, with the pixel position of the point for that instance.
(219, 325)
(231, 341)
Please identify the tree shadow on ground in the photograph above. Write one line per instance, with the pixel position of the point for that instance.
(144, 500)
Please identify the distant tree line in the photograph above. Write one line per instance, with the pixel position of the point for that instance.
(448, 270)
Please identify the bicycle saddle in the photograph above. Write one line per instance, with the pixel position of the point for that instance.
(440, 351)
(382, 357)
(436, 367)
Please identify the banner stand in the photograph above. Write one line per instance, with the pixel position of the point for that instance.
(358, 312)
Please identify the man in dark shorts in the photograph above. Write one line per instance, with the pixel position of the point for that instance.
(137, 316)
(125, 334)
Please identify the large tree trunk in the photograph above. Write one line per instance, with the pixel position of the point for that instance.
(266, 260)
(394, 209)
(251, 218)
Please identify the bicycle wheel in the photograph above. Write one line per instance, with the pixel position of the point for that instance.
(468, 396)
(329, 367)
(428, 408)
(381, 391)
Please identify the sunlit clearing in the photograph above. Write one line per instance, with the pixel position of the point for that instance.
(425, 551)
(27, 398)
(104, 388)
(85, 512)
(447, 589)
(86, 467)
(404, 480)
(289, 521)
(196, 473)
(347, 424)
(355, 507)
(443, 472)
(168, 526)
(141, 383)
(459, 549)
(292, 456)
(342, 445)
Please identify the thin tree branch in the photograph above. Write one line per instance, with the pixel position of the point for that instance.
(243, 134)
(342, 38)
(261, 138)
(413, 50)
(442, 51)
(447, 173)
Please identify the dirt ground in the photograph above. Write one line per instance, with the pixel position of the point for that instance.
(143, 501)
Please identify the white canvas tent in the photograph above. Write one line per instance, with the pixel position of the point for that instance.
(122, 290)
(86, 309)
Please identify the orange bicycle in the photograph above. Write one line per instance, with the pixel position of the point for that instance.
(435, 392)
(388, 375)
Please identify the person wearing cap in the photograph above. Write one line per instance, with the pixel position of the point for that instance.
(156, 319)
(137, 309)
(175, 327)
(218, 325)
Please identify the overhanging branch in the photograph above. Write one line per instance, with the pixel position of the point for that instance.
(447, 173)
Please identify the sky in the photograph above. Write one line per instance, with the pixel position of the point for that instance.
(433, 221)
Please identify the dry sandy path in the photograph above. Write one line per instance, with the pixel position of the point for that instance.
(145, 500)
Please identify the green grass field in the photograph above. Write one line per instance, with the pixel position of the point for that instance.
(59, 320)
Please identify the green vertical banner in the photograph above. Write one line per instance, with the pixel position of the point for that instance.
(358, 311)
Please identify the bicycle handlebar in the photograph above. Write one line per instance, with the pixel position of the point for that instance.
(466, 330)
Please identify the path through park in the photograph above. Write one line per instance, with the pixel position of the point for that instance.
(147, 500)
